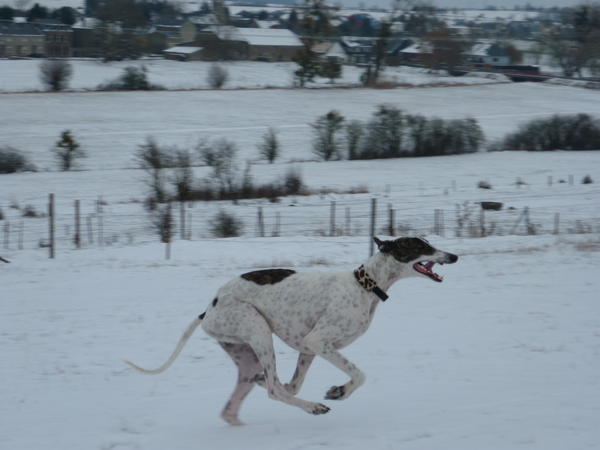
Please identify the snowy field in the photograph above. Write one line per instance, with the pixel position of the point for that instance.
(88, 74)
(505, 354)
(111, 126)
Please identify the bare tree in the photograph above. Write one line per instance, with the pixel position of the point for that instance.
(153, 160)
(446, 50)
(67, 150)
(55, 74)
(575, 44)
(269, 147)
(183, 176)
(221, 156)
(326, 143)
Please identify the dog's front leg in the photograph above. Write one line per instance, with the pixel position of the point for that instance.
(324, 349)
(304, 362)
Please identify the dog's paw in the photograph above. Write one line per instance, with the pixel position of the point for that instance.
(319, 409)
(336, 393)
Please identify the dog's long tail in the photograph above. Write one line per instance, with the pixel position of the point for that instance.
(182, 341)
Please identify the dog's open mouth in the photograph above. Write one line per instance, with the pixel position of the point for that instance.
(425, 269)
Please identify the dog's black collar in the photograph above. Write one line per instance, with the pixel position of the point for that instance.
(368, 283)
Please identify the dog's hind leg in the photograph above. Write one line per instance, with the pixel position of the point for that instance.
(242, 323)
(249, 372)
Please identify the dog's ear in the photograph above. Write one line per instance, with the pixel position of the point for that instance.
(383, 246)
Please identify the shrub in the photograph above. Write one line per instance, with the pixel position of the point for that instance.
(55, 74)
(292, 181)
(132, 79)
(30, 211)
(326, 143)
(559, 132)
(11, 161)
(225, 225)
(67, 150)
(217, 76)
(392, 134)
(153, 159)
(270, 148)
(354, 135)
(384, 134)
(221, 156)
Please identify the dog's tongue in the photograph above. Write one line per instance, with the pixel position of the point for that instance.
(427, 270)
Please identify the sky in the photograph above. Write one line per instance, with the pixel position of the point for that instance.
(351, 3)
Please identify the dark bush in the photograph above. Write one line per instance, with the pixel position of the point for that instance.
(225, 225)
(30, 211)
(392, 134)
(132, 79)
(55, 74)
(559, 132)
(11, 161)
(217, 76)
(292, 181)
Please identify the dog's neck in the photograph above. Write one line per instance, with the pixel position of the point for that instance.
(384, 269)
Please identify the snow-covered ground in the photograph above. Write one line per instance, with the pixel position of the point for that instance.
(88, 74)
(504, 354)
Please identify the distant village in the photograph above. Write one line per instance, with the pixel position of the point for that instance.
(219, 31)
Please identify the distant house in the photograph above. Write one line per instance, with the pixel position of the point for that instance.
(85, 43)
(257, 44)
(58, 38)
(330, 51)
(414, 53)
(489, 54)
(358, 50)
(393, 52)
(183, 53)
(20, 39)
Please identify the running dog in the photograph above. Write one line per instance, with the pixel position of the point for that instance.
(315, 313)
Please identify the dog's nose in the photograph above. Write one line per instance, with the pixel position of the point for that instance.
(452, 258)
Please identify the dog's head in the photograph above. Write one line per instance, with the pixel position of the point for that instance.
(418, 253)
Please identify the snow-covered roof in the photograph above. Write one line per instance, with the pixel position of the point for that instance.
(336, 51)
(259, 36)
(267, 23)
(183, 49)
(417, 48)
(479, 50)
(86, 23)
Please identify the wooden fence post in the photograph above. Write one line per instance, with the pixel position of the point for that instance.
(6, 234)
(260, 222)
(372, 228)
(348, 222)
(51, 227)
(90, 229)
(100, 222)
(277, 231)
(332, 219)
(21, 234)
(182, 219)
(556, 223)
(77, 238)
(391, 224)
(482, 231)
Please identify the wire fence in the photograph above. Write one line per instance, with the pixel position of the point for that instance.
(97, 224)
